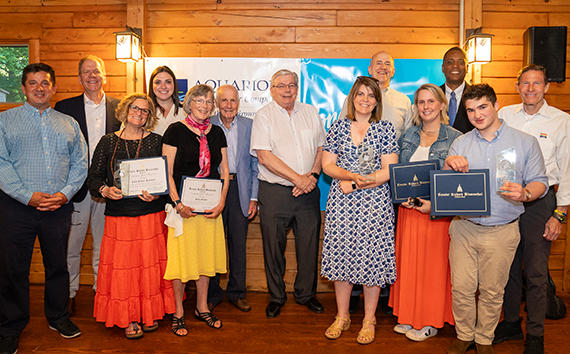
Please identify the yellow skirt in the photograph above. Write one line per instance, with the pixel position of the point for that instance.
(200, 250)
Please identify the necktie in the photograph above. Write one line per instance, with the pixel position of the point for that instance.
(452, 111)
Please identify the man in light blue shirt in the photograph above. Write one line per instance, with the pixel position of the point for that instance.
(482, 249)
(43, 163)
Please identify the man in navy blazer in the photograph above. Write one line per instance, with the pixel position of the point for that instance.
(454, 68)
(241, 202)
(95, 113)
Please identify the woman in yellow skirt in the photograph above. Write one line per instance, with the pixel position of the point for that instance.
(196, 244)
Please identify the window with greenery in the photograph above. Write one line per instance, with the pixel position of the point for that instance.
(12, 60)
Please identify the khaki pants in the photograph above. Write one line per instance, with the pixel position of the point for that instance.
(479, 256)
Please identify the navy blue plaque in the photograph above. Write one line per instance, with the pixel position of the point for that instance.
(458, 193)
(411, 180)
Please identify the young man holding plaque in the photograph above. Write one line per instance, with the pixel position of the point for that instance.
(541, 223)
(482, 248)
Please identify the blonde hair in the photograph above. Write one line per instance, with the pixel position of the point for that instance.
(123, 110)
(439, 96)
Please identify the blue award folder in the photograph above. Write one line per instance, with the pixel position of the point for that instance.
(458, 193)
(411, 180)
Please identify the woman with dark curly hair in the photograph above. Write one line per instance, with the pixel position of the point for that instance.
(131, 286)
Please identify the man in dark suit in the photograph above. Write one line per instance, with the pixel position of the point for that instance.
(95, 113)
(454, 68)
(241, 202)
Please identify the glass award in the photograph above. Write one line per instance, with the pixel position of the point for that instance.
(505, 164)
(121, 177)
(366, 162)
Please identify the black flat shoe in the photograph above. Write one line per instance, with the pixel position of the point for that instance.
(273, 309)
(8, 345)
(314, 305)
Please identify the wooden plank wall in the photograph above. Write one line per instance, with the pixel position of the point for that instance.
(281, 28)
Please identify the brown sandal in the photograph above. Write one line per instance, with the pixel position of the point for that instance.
(138, 331)
(365, 333)
(335, 330)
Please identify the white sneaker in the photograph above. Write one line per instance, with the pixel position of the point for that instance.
(422, 334)
(402, 328)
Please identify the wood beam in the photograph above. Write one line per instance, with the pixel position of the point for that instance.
(136, 17)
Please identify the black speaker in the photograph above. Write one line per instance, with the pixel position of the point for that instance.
(546, 46)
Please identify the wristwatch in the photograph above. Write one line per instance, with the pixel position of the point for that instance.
(528, 195)
(316, 175)
(354, 186)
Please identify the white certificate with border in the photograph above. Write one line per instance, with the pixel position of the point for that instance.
(200, 193)
(148, 174)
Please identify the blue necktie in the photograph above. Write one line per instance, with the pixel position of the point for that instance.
(452, 111)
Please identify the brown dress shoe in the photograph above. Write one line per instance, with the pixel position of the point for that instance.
(241, 304)
(459, 346)
(484, 349)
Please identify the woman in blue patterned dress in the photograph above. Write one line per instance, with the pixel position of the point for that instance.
(358, 246)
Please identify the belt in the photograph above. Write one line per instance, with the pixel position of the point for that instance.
(233, 176)
(510, 222)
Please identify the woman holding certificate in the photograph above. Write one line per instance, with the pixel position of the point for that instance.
(164, 94)
(196, 245)
(421, 295)
(131, 286)
(358, 245)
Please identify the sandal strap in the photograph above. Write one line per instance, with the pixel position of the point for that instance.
(209, 318)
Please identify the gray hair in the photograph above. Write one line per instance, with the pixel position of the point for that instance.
(284, 72)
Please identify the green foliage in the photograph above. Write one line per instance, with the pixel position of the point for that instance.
(13, 59)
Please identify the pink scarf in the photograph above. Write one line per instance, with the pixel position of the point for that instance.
(204, 160)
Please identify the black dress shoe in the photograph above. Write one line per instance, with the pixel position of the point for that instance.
(354, 301)
(8, 345)
(314, 305)
(273, 309)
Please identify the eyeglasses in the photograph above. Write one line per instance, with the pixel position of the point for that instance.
(201, 102)
(283, 86)
(144, 111)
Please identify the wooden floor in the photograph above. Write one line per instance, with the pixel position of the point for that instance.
(297, 331)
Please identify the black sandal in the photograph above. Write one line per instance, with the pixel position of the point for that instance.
(209, 318)
(178, 324)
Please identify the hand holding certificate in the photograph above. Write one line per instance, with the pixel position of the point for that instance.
(202, 194)
(146, 174)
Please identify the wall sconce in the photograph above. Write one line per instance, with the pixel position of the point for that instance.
(478, 46)
(128, 47)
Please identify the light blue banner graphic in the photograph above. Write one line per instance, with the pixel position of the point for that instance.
(325, 83)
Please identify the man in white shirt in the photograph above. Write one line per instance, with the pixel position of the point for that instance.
(454, 68)
(396, 107)
(287, 138)
(95, 113)
(542, 220)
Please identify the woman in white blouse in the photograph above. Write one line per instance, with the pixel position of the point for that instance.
(164, 94)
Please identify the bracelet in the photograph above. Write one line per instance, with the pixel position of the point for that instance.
(102, 189)
(560, 216)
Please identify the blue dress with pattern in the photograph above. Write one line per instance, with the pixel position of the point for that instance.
(358, 245)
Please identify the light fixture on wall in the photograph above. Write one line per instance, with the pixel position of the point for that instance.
(478, 46)
(128, 46)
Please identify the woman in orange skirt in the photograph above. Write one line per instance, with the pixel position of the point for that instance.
(421, 295)
(130, 285)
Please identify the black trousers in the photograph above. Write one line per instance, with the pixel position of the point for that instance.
(19, 225)
(279, 211)
(533, 252)
(235, 227)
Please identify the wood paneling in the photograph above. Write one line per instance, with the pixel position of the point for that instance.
(183, 35)
(436, 19)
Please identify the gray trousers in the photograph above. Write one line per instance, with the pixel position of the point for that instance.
(279, 211)
(533, 253)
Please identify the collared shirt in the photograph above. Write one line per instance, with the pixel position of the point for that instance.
(551, 127)
(40, 153)
(232, 139)
(164, 122)
(481, 154)
(396, 109)
(458, 94)
(96, 119)
(294, 138)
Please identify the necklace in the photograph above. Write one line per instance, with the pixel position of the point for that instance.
(126, 147)
(428, 132)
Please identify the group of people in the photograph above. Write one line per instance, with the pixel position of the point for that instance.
(146, 248)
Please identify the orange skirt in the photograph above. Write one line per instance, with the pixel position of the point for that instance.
(130, 284)
(421, 295)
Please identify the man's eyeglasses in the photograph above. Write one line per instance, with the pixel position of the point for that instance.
(144, 111)
(283, 86)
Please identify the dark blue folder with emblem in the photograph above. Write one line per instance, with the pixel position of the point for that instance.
(458, 193)
(411, 180)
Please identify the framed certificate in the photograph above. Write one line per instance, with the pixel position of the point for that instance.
(411, 180)
(135, 175)
(458, 193)
(200, 193)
